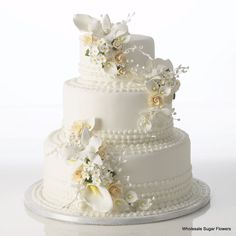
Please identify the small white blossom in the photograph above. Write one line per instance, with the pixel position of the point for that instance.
(85, 175)
(144, 123)
(144, 204)
(103, 46)
(131, 196)
(121, 205)
(96, 181)
(94, 51)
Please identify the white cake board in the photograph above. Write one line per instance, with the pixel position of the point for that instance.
(36, 203)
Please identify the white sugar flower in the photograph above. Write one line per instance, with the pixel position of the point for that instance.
(118, 30)
(157, 86)
(89, 167)
(96, 181)
(91, 149)
(131, 196)
(144, 204)
(94, 51)
(103, 28)
(69, 152)
(121, 205)
(73, 132)
(165, 90)
(166, 111)
(152, 85)
(110, 68)
(103, 46)
(144, 123)
(101, 59)
(162, 65)
(98, 198)
(106, 24)
(85, 175)
(87, 23)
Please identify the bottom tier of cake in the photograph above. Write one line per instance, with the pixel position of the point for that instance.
(154, 175)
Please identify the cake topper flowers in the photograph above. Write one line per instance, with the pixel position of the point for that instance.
(105, 42)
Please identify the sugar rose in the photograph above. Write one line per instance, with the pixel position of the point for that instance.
(115, 190)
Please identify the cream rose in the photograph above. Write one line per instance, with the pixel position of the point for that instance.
(115, 190)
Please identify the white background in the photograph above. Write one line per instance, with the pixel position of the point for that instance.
(39, 50)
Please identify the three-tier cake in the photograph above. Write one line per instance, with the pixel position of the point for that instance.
(118, 158)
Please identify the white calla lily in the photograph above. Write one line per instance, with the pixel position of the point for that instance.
(82, 21)
(98, 198)
(87, 23)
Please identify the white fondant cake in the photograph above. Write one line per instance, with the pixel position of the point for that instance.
(117, 152)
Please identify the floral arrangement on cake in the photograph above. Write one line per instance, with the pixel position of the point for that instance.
(95, 173)
(161, 81)
(106, 47)
(105, 42)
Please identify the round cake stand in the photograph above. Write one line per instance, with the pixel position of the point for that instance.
(36, 203)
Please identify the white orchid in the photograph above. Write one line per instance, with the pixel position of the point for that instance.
(157, 66)
(119, 31)
(153, 117)
(102, 29)
(91, 148)
(73, 131)
(98, 198)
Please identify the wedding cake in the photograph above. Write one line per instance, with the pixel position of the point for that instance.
(118, 153)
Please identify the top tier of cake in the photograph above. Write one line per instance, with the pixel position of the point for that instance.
(135, 53)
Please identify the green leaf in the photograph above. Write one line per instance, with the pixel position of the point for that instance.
(113, 173)
(87, 52)
(89, 180)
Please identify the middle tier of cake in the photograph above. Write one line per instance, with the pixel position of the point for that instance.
(116, 106)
